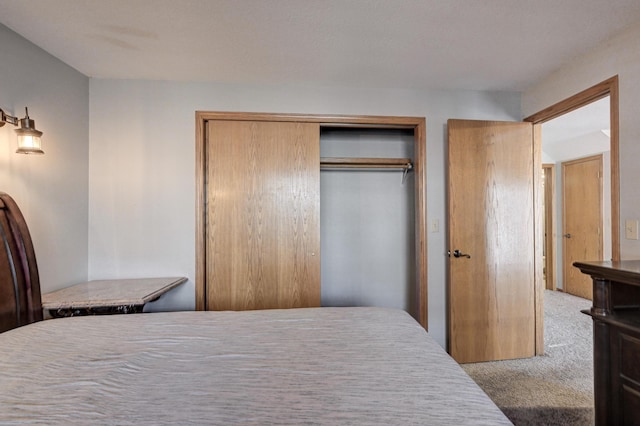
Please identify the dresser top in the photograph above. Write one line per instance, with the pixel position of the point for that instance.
(117, 292)
(626, 271)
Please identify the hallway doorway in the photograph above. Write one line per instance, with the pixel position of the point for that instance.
(578, 143)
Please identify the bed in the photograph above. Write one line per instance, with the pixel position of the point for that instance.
(327, 366)
(298, 366)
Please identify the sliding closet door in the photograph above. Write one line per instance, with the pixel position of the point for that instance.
(262, 215)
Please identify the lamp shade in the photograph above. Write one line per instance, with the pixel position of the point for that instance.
(28, 137)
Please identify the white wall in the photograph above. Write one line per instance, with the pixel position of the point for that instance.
(51, 190)
(367, 223)
(142, 174)
(617, 56)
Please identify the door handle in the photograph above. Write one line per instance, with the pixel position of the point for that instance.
(567, 235)
(458, 253)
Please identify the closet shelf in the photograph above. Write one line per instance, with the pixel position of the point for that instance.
(365, 163)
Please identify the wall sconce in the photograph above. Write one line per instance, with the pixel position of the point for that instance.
(28, 137)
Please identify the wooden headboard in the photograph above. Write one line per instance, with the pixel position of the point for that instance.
(20, 302)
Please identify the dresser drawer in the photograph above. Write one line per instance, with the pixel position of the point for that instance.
(630, 406)
(629, 354)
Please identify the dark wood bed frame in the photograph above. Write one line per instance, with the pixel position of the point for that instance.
(20, 302)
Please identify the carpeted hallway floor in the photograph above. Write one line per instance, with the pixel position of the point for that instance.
(554, 389)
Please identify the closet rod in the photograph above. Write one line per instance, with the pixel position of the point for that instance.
(365, 163)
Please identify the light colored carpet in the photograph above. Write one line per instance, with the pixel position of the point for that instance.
(554, 389)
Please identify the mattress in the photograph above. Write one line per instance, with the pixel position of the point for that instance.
(329, 366)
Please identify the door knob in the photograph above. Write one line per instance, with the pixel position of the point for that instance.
(458, 253)
(567, 235)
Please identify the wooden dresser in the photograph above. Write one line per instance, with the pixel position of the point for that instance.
(616, 340)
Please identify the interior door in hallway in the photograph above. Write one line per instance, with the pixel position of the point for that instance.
(262, 215)
(582, 221)
(491, 172)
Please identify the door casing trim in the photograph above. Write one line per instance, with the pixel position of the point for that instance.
(418, 124)
(609, 87)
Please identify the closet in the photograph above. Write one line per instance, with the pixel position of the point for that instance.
(268, 183)
(366, 218)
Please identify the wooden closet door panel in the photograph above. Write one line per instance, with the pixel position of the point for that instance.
(262, 220)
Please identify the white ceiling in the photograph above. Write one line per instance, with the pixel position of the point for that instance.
(578, 133)
(594, 116)
(447, 44)
(412, 44)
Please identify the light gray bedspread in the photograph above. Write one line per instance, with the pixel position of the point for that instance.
(333, 366)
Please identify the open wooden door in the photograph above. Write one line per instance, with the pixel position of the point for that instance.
(492, 242)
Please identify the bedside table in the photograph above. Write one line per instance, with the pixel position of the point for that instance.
(103, 297)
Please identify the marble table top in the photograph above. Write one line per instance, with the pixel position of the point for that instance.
(103, 293)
